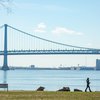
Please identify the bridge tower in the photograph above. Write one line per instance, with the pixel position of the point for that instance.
(5, 63)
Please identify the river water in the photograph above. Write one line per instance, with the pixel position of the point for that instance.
(52, 80)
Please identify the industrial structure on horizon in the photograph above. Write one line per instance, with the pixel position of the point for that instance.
(97, 64)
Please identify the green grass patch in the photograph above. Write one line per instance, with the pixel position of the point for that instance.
(47, 95)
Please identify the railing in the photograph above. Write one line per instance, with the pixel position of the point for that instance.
(40, 52)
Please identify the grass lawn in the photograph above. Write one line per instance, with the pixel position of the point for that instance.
(47, 95)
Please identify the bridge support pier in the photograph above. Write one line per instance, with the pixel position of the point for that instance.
(5, 63)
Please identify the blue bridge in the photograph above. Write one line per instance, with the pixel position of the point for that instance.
(18, 42)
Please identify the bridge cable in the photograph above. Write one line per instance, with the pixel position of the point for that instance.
(51, 40)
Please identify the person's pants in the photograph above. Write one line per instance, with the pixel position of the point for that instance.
(87, 88)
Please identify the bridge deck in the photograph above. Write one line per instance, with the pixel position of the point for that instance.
(30, 52)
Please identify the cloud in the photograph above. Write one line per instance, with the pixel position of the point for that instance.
(89, 45)
(63, 30)
(41, 28)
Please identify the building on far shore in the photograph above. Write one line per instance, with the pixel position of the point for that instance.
(97, 64)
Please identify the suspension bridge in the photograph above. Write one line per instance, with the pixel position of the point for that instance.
(14, 41)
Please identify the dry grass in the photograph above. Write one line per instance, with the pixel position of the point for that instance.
(35, 95)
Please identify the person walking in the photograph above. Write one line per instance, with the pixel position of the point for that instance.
(88, 85)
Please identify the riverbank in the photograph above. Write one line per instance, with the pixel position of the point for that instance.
(47, 95)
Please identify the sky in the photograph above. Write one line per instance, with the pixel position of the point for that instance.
(74, 22)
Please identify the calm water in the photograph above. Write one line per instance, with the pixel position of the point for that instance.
(52, 80)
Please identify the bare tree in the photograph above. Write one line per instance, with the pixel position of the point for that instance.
(6, 4)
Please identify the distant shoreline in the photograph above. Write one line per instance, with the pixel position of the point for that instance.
(60, 68)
